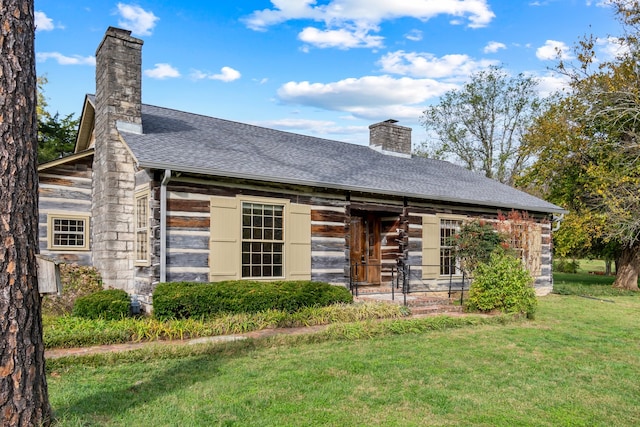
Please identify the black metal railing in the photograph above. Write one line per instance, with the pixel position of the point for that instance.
(407, 279)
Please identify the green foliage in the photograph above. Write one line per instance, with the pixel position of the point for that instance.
(502, 284)
(577, 364)
(68, 331)
(480, 125)
(587, 151)
(184, 299)
(563, 265)
(77, 281)
(474, 244)
(56, 136)
(106, 304)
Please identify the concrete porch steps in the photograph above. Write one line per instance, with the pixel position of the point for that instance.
(418, 303)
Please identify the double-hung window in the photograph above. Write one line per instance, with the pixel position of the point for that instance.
(262, 240)
(448, 229)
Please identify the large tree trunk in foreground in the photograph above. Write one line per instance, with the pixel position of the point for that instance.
(628, 267)
(23, 385)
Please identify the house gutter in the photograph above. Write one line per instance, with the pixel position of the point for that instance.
(163, 225)
(550, 208)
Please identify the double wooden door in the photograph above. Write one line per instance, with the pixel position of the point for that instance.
(366, 253)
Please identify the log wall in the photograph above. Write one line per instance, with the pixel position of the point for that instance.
(65, 189)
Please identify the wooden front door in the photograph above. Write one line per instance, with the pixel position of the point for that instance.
(366, 254)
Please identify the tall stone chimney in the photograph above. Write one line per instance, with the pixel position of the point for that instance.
(390, 138)
(118, 103)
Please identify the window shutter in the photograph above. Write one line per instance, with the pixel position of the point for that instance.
(298, 243)
(430, 247)
(224, 246)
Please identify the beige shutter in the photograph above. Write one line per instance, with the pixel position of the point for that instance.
(430, 247)
(298, 243)
(224, 246)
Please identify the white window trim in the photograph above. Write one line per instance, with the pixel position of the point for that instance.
(285, 203)
(52, 216)
(147, 261)
(440, 218)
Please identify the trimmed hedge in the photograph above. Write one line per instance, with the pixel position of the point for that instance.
(181, 300)
(107, 304)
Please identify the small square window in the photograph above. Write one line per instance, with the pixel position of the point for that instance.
(68, 232)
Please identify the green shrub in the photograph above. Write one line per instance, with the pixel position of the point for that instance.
(502, 284)
(565, 266)
(107, 304)
(474, 243)
(77, 281)
(185, 299)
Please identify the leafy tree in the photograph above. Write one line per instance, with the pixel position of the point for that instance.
(588, 151)
(56, 136)
(23, 385)
(481, 124)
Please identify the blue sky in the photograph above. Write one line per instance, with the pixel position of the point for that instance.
(327, 68)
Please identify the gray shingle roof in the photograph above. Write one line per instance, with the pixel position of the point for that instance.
(189, 142)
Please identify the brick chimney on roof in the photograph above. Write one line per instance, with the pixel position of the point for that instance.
(390, 138)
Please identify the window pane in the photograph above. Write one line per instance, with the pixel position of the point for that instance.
(262, 225)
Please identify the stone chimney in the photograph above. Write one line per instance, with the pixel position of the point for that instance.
(390, 138)
(118, 103)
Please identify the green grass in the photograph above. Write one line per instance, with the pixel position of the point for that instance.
(576, 364)
(587, 285)
(589, 265)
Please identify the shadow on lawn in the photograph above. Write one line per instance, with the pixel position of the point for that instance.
(121, 393)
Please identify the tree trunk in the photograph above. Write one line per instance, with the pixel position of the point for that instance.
(23, 385)
(628, 267)
(607, 267)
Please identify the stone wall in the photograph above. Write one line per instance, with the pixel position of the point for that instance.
(118, 99)
(391, 138)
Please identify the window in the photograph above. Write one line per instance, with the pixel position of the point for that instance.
(68, 232)
(142, 228)
(262, 240)
(448, 228)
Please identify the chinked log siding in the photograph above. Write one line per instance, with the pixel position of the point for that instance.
(64, 190)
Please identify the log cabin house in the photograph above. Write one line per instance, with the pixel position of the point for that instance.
(153, 194)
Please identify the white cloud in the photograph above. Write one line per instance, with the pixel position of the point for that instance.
(227, 74)
(373, 12)
(66, 60)
(600, 3)
(426, 65)
(43, 22)
(361, 17)
(314, 127)
(367, 97)
(493, 47)
(553, 50)
(342, 38)
(551, 83)
(162, 71)
(414, 35)
(136, 19)
(611, 48)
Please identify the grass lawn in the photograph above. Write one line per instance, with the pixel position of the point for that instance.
(576, 364)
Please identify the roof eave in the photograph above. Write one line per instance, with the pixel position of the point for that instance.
(333, 186)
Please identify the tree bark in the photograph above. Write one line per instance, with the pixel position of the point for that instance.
(23, 385)
(628, 267)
